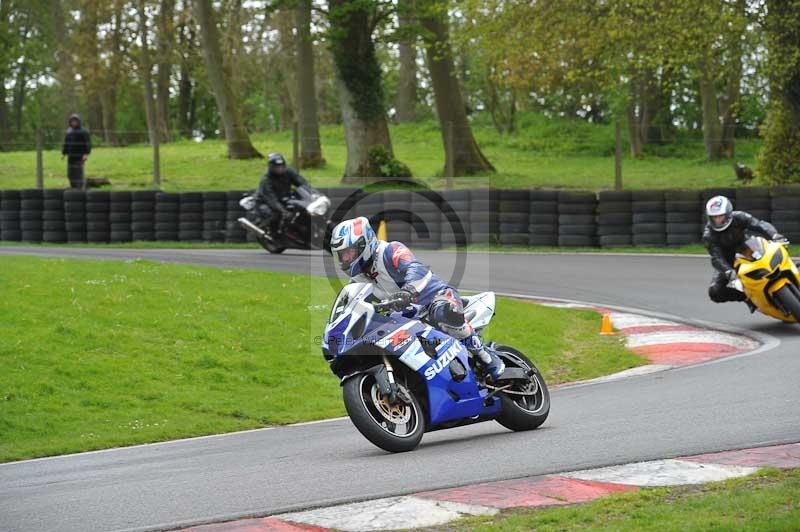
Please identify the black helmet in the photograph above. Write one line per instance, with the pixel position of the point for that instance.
(276, 163)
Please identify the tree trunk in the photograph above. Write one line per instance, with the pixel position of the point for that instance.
(310, 146)
(65, 69)
(5, 129)
(112, 77)
(166, 30)
(360, 87)
(184, 102)
(407, 82)
(109, 106)
(287, 115)
(634, 128)
(238, 140)
(186, 39)
(145, 66)
(360, 136)
(467, 156)
(712, 132)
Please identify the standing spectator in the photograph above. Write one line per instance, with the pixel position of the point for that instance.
(77, 147)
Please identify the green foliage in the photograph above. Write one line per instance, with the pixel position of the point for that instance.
(98, 354)
(779, 160)
(384, 165)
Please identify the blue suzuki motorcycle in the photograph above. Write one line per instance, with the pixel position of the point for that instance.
(402, 378)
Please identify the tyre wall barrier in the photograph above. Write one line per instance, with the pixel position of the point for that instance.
(423, 219)
(577, 222)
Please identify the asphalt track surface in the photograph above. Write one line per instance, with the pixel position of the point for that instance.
(742, 401)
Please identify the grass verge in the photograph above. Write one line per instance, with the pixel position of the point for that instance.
(581, 158)
(97, 354)
(767, 500)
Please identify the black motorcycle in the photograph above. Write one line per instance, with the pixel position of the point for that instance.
(306, 227)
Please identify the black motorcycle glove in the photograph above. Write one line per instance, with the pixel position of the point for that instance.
(403, 298)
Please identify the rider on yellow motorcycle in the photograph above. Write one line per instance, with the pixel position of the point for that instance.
(725, 232)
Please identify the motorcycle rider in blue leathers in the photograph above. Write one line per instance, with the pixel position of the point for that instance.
(397, 274)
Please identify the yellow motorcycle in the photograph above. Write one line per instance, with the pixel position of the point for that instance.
(769, 278)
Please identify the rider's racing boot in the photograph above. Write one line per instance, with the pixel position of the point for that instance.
(491, 362)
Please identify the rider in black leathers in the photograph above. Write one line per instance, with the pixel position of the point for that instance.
(276, 184)
(725, 232)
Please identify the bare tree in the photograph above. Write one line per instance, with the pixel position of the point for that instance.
(219, 76)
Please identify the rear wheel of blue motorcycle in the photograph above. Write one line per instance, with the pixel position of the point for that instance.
(395, 428)
(523, 412)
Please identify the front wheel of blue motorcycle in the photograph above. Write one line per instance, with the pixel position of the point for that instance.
(395, 427)
(526, 405)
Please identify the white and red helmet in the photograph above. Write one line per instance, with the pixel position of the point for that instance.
(353, 242)
(719, 210)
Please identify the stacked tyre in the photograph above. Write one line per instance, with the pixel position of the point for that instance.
(370, 206)
(75, 215)
(543, 218)
(576, 218)
(614, 218)
(143, 212)
(684, 210)
(234, 232)
(483, 216)
(397, 214)
(343, 201)
(755, 200)
(455, 217)
(190, 218)
(427, 221)
(98, 223)
(649, 218)
(214, 216)
(54, 229)
(513, 217)
(167, 209)
(10, 205)
(30, 215)
(120, 216)
(786, 211)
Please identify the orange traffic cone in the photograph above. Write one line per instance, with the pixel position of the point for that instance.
(605, 327)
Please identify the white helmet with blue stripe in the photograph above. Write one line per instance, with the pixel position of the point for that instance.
(719, 210)
(353, 242)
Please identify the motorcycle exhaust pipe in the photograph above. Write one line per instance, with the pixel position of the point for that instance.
(250, 226)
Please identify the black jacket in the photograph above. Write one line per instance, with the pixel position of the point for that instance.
(273, 188)
(76, 141)
(722, 245)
